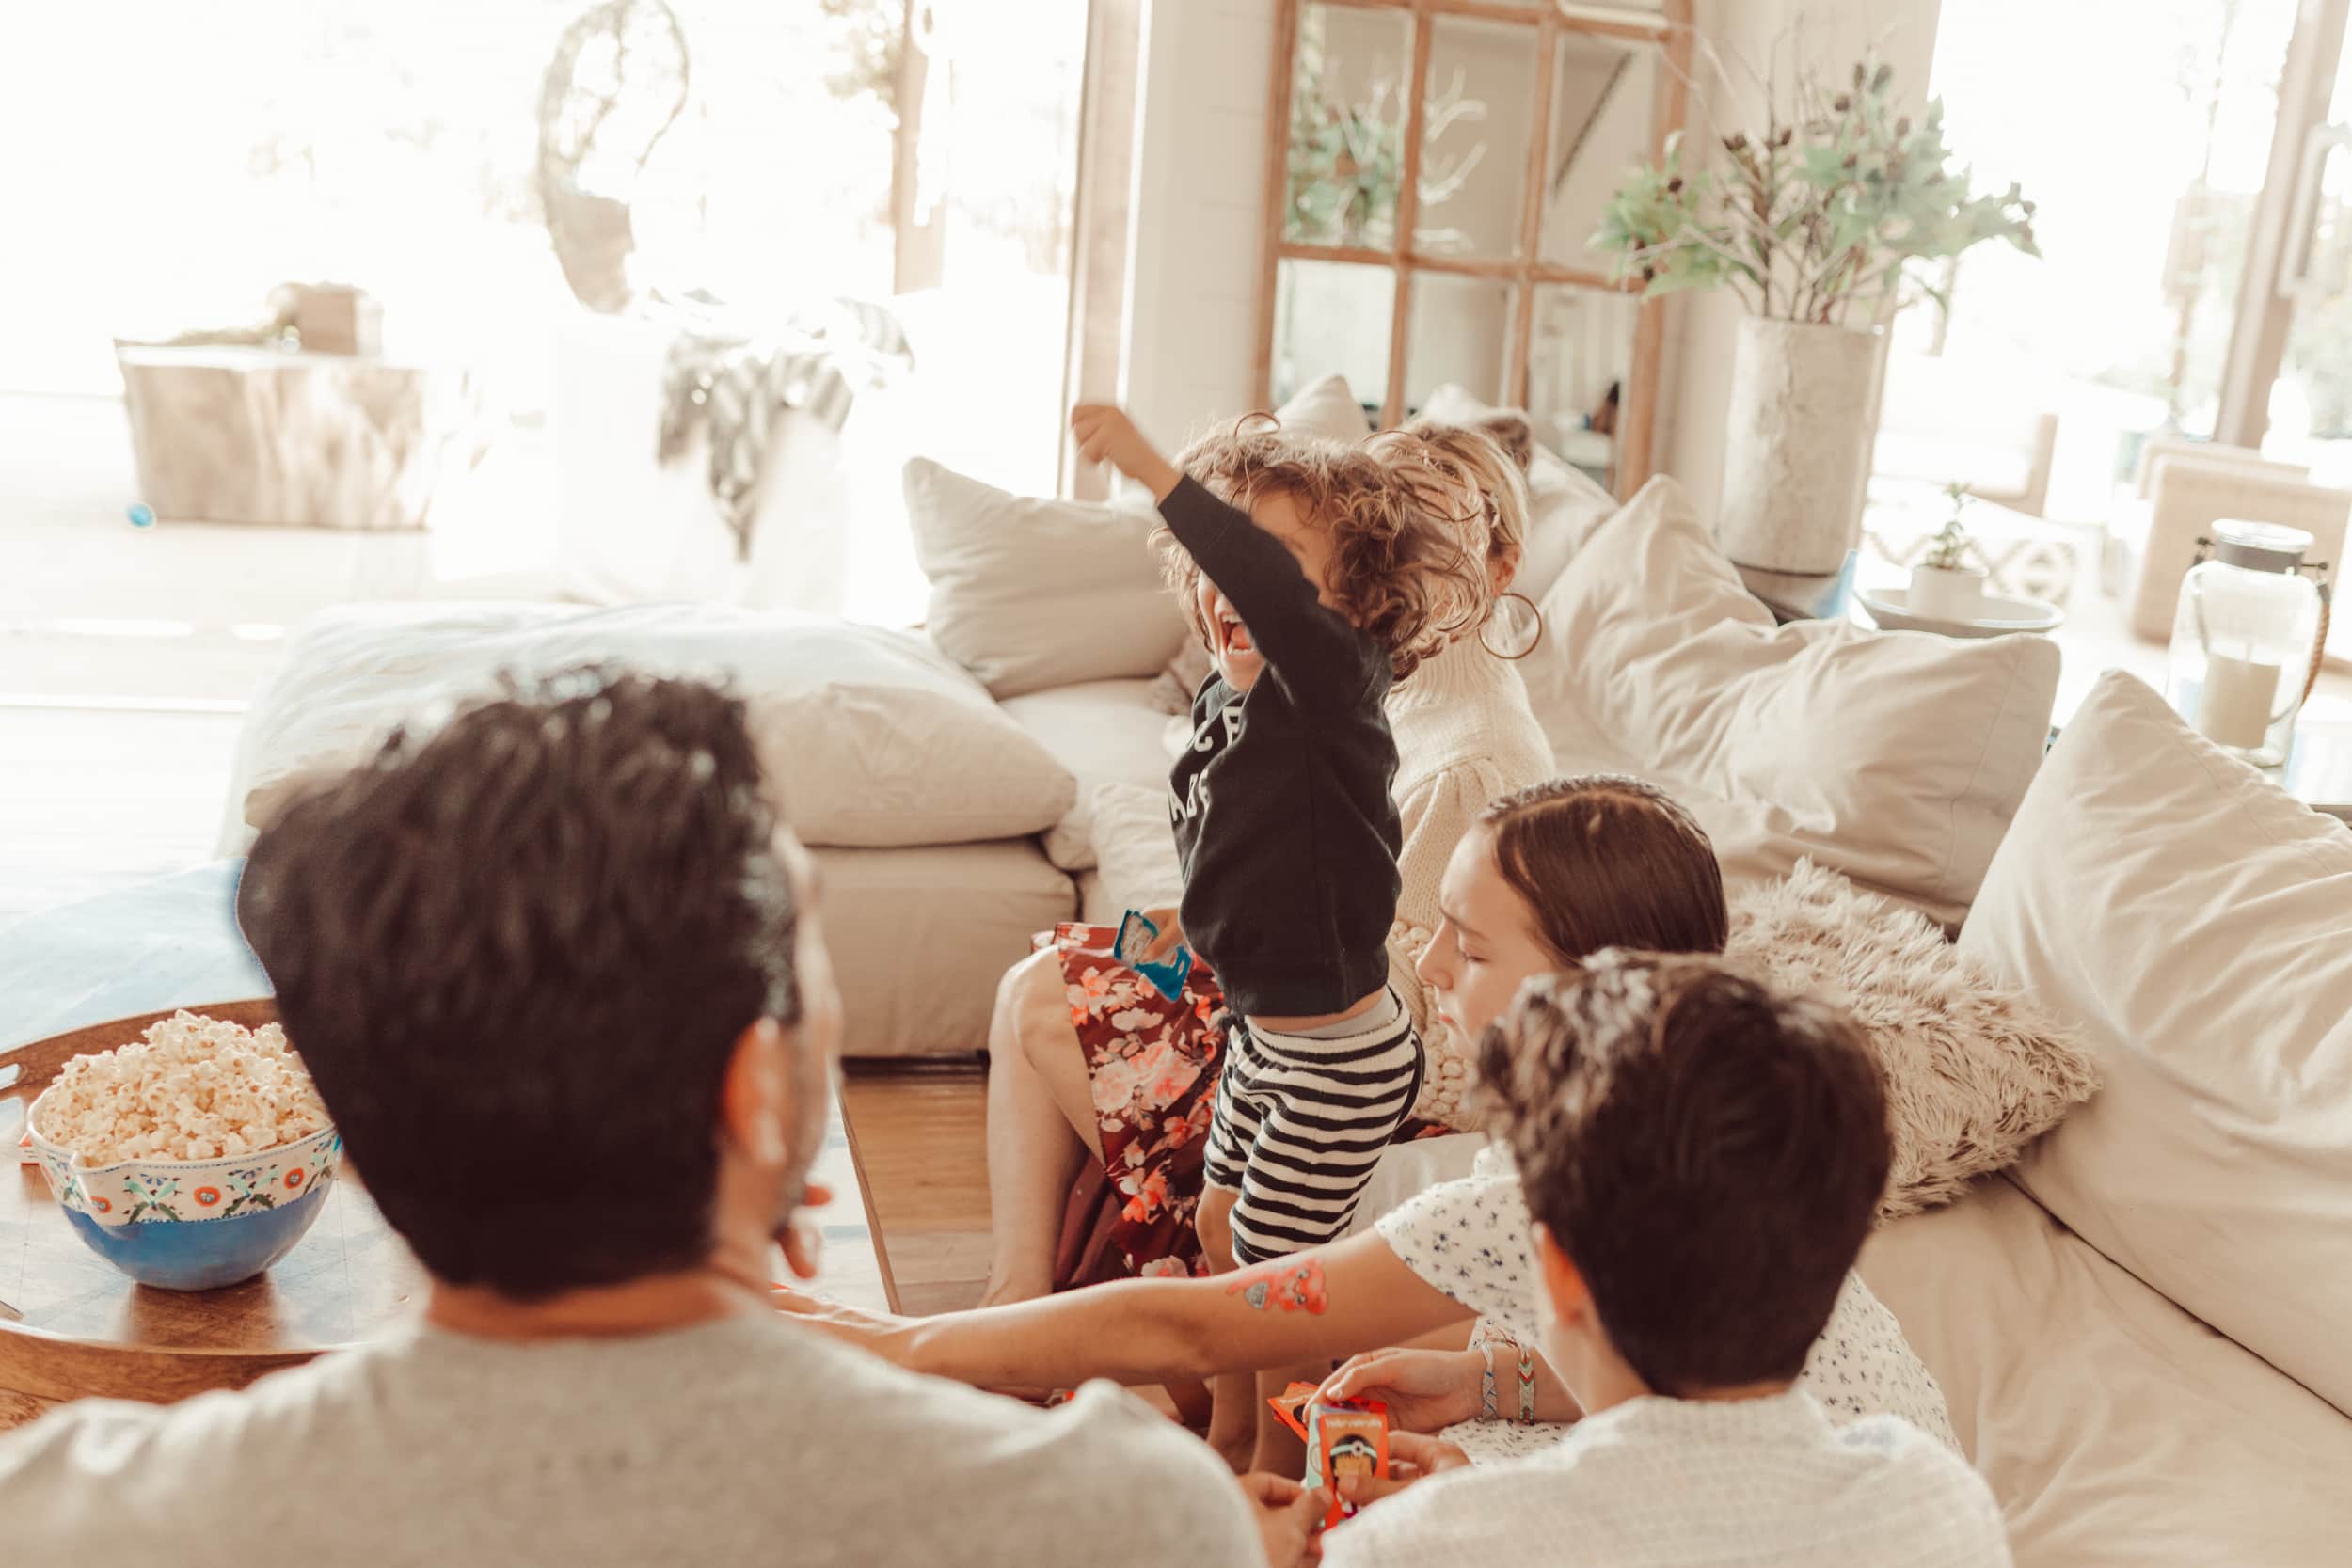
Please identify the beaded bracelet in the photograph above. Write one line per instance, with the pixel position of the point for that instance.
(1527, 1385)
(1486, 1385)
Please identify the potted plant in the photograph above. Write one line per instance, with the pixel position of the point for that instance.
(1945, 586)
(1812, 223)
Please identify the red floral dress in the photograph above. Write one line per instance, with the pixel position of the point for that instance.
(1152, 1064)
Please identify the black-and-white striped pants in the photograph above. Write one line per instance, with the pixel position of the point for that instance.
(1300, 1122)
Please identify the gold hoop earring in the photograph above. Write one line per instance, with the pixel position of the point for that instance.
(1532, 608)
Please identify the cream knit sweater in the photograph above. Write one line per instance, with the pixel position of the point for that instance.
(1465, 736)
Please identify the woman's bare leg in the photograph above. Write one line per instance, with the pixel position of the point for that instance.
(1040, 1124)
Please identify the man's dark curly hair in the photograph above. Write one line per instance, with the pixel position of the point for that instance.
(516, 952)
(1709, 1154)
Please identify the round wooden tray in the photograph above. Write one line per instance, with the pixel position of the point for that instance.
(83, 1330)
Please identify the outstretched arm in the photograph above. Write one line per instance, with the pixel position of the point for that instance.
(1324, 1304)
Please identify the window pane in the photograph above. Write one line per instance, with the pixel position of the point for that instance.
(1578, 359)
(2121, 329)
(1458, 332)
(1477, 111)
(1347, 126)
(1329, 316)
(1602, 95)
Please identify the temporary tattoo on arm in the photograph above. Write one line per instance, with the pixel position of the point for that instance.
(1294, 1287)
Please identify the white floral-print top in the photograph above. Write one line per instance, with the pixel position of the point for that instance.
(1468, 1238)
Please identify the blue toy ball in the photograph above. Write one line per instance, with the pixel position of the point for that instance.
(141, 514)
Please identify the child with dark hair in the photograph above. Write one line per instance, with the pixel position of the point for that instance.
(1703, 1159)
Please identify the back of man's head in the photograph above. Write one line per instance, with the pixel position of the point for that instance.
(1709, 1155)
(517, 953)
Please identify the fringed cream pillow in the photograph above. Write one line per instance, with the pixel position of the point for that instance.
(1975, 1071)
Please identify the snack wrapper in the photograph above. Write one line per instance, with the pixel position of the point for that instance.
(1345, 1437)
(1167, 976)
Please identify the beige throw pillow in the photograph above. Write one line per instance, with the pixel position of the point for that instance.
(866, 736)
(1975, 1071)
(2196, 923)
(1895, 759)
(1326, 407)
(1029, 593)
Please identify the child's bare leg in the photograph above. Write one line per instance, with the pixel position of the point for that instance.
(1280, 1452)
(1233, 1432)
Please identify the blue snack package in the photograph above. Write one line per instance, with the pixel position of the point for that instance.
(1135, 933)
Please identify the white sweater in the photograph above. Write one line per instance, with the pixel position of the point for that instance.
(1465, 736)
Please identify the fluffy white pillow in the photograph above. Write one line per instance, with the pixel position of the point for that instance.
(1895, 759)
(1028, 594)
(1563, 505)
(1975, 1071)
(2196, 923)
(867, 737)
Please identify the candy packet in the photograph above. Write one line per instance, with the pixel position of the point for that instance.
(1135, 933)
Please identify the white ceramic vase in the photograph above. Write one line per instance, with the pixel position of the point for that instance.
(1797, 451)
(1947, 593)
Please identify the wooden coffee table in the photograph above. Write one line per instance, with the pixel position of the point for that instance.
(88, 976)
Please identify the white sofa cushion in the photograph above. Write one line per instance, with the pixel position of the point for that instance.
(920, 936)
(1134, 847)
(868, 737)
(1563, 505)
(2115, 1430)
(1895, 759)
(1104, 731)
(2196, 923)
(1029, 593)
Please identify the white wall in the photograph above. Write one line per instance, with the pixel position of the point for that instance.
(1199, 209)
(1198, 213)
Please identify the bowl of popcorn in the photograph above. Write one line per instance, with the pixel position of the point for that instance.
(191, 1158)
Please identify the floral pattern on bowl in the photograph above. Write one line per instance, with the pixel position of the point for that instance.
(136, 1192)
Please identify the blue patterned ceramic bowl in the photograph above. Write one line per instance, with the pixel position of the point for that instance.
(194, 1225)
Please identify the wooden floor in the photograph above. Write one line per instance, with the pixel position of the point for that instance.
(920, 1132)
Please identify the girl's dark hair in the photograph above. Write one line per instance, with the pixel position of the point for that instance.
(1605, 861)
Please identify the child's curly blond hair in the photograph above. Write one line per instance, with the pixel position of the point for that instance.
(1409, 556)
(1493, 455)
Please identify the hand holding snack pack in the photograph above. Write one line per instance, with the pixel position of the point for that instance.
(1163, 962)
(1345, 1438)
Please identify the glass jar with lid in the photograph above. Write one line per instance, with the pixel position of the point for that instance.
(2247, 637)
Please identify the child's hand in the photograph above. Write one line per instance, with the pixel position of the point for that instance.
(1425, 1390)
(1411, 1457)
(1287, 1516)
(1170, 938)
(1106, 435)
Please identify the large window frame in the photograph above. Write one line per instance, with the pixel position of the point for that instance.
(1670, 27)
